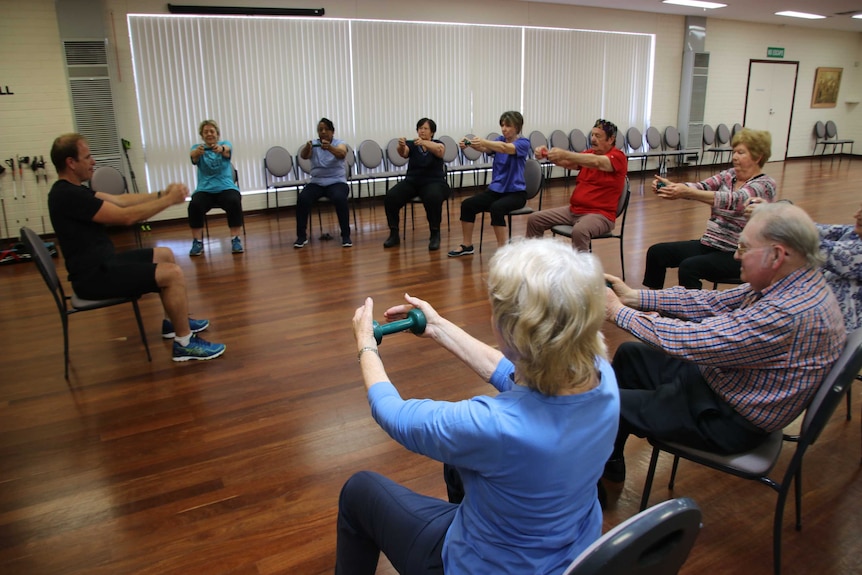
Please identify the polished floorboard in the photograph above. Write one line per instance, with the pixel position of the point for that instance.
(234, 466)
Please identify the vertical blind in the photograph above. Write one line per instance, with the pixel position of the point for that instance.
(267, 81)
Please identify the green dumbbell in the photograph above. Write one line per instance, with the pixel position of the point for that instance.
(414, 322)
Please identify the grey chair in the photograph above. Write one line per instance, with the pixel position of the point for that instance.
(534, 177)
(757, 464)
(68, 305)
(278, 173)
(235, 181)
(833, 139)
(707, 141)
(559, 139)
(372, 165)
(110, 180)
(451, 155)
(474, 162)
(622, 212)
(396, 164)
(656, 541)
(635, 148)
(537, 139)
(721, 145)
(674, 149)
(655, 149)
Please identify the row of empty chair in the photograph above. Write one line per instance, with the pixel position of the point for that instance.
(827, 135)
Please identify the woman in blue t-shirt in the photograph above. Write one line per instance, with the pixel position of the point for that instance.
(523, 464)
(507, 190)
(328, 179)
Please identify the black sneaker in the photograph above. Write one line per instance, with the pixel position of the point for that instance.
(434, 242)
(463, 251)
(393, 240)
(300, 243)
(615, 470)
(346, 243)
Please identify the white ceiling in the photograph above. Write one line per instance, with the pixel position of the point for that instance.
(747, 10)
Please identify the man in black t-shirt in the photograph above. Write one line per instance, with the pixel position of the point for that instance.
(79, 216)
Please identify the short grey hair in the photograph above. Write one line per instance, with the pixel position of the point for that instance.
(790, 226)
(548, 306)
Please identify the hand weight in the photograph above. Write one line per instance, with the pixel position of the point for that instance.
(415, 322)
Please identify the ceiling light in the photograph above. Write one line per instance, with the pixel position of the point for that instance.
(695, 4)
(793, 14)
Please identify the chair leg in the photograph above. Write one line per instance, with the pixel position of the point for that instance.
(481, 231)
(672, 481)
(622, 260)
(141, 329)
(649, 478)
(65, 320)
(776, 532)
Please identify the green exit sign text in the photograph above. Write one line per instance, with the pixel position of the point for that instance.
(774, 52)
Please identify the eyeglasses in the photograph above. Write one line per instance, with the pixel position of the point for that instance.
(742, 250)
(609, 127)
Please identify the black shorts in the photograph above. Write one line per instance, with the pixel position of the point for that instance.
(127, 274)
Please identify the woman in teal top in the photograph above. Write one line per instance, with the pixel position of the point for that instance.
(216, 187)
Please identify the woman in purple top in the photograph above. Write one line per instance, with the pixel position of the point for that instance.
(507, 191)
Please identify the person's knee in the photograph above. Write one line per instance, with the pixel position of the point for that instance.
(162, 255)
(169, 275)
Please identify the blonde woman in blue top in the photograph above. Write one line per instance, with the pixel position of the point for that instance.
(328, 179)
(216, 187)
(507, 190)
(529, 456)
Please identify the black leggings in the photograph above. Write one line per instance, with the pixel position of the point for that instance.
(202, 202)
(498, 204)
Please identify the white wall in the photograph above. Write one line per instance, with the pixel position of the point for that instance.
(29, 32)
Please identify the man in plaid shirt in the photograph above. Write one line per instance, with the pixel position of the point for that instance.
(719, 371)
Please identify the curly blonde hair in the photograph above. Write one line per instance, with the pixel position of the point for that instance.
(548, 305)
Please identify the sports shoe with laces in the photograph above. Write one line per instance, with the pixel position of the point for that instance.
(346, 243)
(300, 243)
(462, 251)
(197, 248)
(195, 325)
(197, 348)
(236, 245)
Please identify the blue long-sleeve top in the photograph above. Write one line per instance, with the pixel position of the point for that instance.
(529, 462)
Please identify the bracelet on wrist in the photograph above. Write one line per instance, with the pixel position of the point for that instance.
(364, 349)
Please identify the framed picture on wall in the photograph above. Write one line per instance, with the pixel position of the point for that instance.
(827, 81)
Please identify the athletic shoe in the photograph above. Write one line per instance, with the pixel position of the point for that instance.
(463, 251)
(300, 243)
(197, 248)
(197, 349)
(434, 241)
(236, 245)
(393, 240)
(615, 470)
(346, 243)
(195, 325)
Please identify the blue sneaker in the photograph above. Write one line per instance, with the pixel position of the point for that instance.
(197, 349)
(236, 245)
(197, 248)
(195, 325)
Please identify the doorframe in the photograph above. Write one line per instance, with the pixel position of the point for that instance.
(792, 101)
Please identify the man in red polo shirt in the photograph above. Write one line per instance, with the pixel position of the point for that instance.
(592, 209)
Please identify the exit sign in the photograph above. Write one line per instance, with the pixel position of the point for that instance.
(774, 52)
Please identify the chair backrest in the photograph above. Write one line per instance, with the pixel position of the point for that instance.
(534, 178)
(578, 140)
(623, 204)
(722, 135)
(45, 265)
(832, 390)
(653, 138)
(820, 130)
(492, 136)
(671, 138)
(537, 139)
(450, 153)
(736, 128)
(831, 129)
(235, 174)
(370, 155)
(621, 141)
(470, 153)
(656, 541)
(393, 157)
(278, 162)
(303, 166)
(634, 139)
(708, 136)
(559, 139)
(350, 159)
(108, 180)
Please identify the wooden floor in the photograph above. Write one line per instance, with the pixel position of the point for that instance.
(234, 466)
